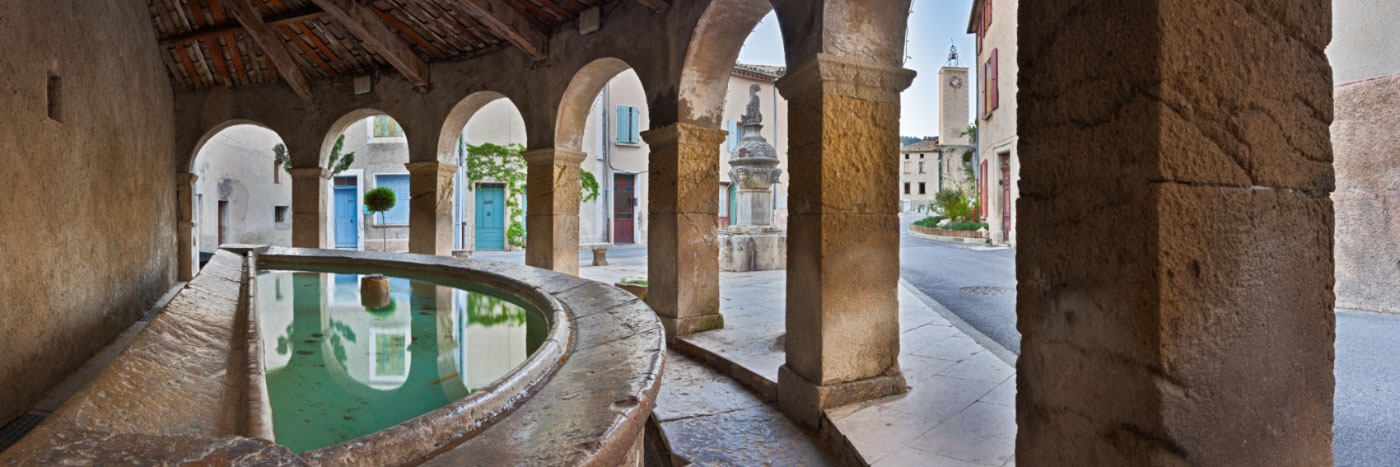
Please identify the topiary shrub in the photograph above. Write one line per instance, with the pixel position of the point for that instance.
(378, 201)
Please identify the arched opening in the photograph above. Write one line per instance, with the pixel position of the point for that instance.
(603, 115)
(241, 192)
(366, 149)
(484, 135)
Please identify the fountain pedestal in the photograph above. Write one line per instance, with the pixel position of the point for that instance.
(753, 243)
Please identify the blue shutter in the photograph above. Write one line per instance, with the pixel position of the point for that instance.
(622, 121)
(636, 124)
(399, 183)
(733, 134)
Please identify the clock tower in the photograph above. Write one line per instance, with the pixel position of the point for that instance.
(953, 101)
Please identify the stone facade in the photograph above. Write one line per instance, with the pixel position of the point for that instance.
(1366, 70)
(998, 159)
(237, 171)
(88, 242)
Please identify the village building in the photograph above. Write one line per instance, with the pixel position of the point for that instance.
(998, 160)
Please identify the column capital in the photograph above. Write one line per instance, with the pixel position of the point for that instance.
(306, 172)
(188, 178)
(828, 74)
(554, 156)
(684, 133)
(431, 167)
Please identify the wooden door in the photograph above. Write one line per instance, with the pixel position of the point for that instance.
(347, 213)
(624, 198)
(490, 217)
(1005, 200)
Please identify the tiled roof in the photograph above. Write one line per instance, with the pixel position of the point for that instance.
(922, 146)
(763, 72)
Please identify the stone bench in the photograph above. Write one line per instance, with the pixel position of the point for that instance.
(600, 252)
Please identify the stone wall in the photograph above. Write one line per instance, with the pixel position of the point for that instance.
(89, 204)
(1366, 148)
(236, 166)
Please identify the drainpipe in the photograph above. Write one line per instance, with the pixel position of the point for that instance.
(607, 181)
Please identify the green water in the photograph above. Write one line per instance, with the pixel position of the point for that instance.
(337, 371)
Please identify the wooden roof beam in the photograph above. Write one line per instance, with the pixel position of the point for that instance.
(377, 36)
(504, 22)
(210, 33)
(655, 5)
(272, 46)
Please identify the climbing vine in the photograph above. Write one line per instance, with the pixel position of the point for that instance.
(505, 164)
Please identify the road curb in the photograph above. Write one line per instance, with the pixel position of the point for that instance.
(1001, 352)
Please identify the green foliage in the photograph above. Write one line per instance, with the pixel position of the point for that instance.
(634, 281)
(965, 226)
(502, 164)
(338, 163)
(380, 199)
(589, 184)
(930, 221)
(506, 165)
(955, 205)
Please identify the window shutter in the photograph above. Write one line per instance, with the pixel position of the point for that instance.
(987, 17)
(622, 121)
(635, 124)
(733, 134)
(996, 92)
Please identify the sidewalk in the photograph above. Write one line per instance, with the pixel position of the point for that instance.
(960, 408)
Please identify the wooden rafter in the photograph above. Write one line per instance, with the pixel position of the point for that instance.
(376, 36)
(655, 5)
(205, 34)
(506, 23)
(272, 46)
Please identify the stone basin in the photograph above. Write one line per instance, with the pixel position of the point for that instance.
(191, 387)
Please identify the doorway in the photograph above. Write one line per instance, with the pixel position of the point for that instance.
(623, 200)
(490, 222)
(223, 222)
(1005, 198)
(347, 213)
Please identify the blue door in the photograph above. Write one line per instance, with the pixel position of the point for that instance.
(347, 213)
(490, 217)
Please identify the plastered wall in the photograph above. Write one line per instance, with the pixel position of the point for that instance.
(88, 236)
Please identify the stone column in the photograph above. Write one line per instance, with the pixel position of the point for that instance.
(188, 230)
(430, 210)
(682, 251)
(1174, 263)
(551, 213)
(309, 206)
(843, 235)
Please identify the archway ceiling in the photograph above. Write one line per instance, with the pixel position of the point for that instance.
(206, 43)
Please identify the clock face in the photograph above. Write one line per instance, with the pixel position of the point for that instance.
(955, 82)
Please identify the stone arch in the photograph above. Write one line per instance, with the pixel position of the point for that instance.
(578, 97)
(714, 47)
(338, 127)
(189, 162)
(459, 116)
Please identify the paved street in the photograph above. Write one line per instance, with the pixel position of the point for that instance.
(1367, 401)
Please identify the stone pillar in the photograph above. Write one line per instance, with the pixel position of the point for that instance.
(1175, 259)
(430, 209)
(188, 231)
(309, 206)
(843, 235)
(755, 207)
(682, 252)
(551, 213)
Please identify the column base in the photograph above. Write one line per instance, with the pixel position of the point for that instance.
(804, 400)
(676, 327)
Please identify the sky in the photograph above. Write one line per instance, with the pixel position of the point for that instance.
(934, 25)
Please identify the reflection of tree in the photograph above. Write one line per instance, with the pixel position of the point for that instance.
(488, 311)
(284, 343)
(339, 329)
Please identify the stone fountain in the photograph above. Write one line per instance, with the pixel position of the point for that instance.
(753, 243)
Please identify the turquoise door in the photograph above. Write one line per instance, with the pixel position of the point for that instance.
(490, 217)
(347, 215)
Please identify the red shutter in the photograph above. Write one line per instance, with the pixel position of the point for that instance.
(982, 92)
(996, 92)
(987, 15)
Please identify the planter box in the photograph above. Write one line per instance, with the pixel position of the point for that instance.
(944, 232)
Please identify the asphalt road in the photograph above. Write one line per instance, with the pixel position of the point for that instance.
(1366, 425)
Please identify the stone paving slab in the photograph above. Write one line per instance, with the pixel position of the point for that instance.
(960, 408)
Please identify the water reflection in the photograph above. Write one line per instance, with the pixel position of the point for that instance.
(337, 371)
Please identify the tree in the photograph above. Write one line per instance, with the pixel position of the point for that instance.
(380, 200)
(506, 165)
(338, 163)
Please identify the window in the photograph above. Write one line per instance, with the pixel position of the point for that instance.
(994, 99)
(399, 183)
(736, 134)
(922, 189)
(55, 98)
(906, 188)
(629, 124)
(921, 156)
(276, 171)
(279, 214)
(906, 166)
(921, 168)
(990, 96)
(906, 157)
(385, 127)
